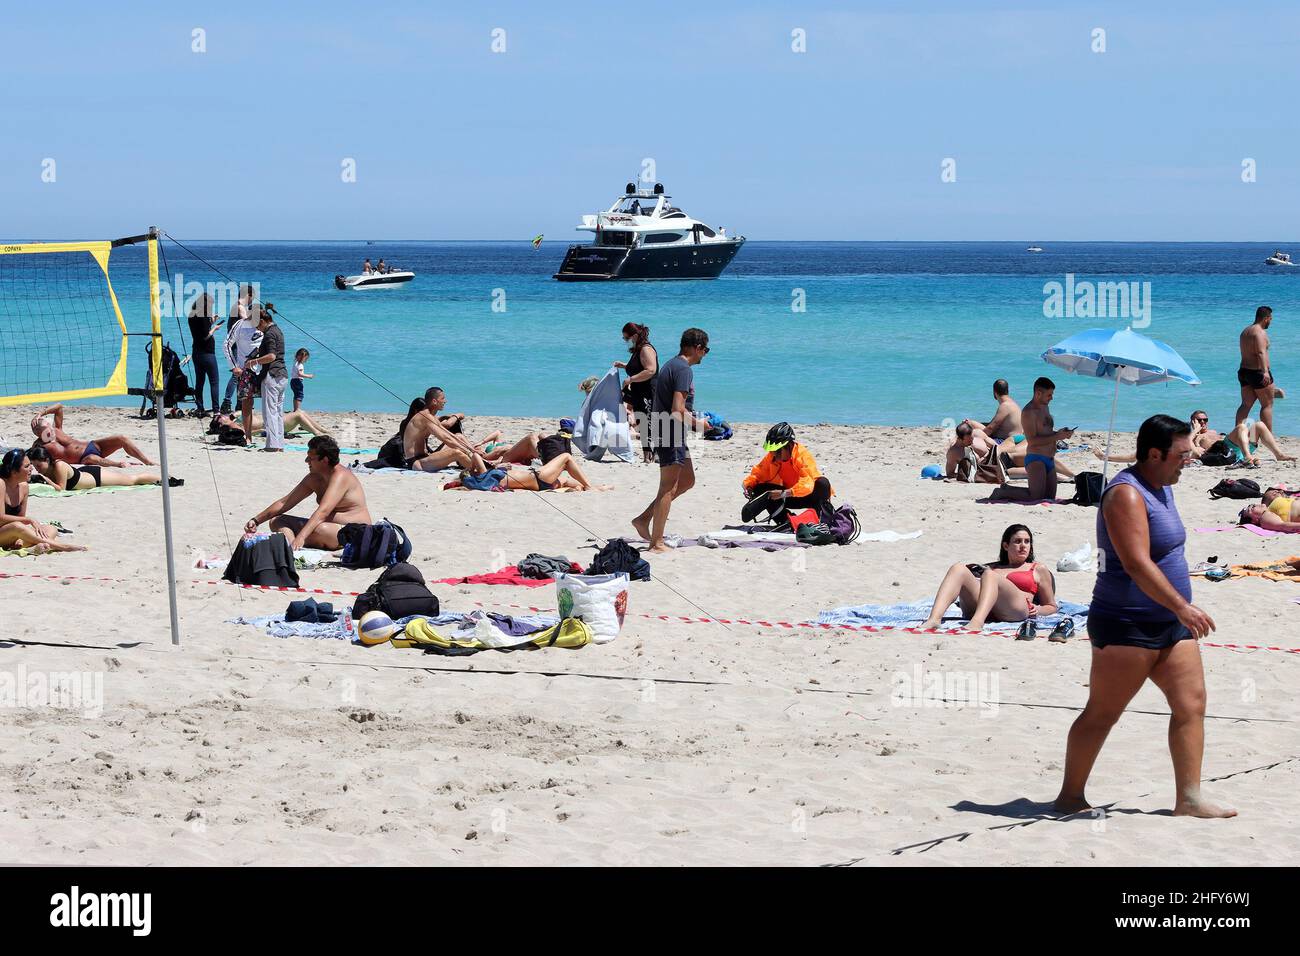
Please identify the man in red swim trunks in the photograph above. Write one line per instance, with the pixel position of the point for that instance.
(63, 447)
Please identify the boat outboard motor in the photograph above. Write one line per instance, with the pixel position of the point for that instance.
(339, 282)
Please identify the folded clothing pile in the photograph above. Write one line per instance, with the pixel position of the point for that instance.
(544, 567)
(311, 612)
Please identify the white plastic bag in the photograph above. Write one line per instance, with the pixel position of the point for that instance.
(1079, 559)
(599, 600)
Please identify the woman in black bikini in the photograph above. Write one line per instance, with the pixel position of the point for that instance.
(561, 473)
(67, 477)
(638, 390)
(16, 529)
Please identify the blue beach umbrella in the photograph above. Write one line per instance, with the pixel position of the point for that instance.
(1123, 356)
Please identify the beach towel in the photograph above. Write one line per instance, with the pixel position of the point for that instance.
(913, 614)
(510, 576)
(1003, 501)
(481, 632)
(601, 425)
(462, 625)
(1253, 528)
(360, 469)
(342, 450)
(35, 490)
(1283, 569)
(762, 540)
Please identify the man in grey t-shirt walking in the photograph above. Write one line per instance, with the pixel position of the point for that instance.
(672, 418)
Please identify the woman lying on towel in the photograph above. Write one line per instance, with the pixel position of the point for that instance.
(1279, 512)
(293, 422)
(67, 477)
(1013, 588)
(561, 473)
(16, 529)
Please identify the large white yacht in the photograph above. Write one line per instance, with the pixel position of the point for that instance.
(644, 236)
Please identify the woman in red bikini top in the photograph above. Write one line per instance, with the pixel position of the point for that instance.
(1013, 588)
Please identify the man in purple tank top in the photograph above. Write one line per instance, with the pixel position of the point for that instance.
(1142, 622)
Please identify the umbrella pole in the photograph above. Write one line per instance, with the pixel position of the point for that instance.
(1105, 464)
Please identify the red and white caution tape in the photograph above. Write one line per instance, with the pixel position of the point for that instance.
(670, 618)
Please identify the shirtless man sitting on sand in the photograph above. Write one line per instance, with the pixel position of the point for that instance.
(1041, 436)
(63, 447)
(1005, 423)
(426, 425)
(490, 448)
(339, 501)
(1255, 376)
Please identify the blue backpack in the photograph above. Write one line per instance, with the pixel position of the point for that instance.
(376, 545)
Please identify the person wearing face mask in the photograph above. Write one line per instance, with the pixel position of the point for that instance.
(639, 388)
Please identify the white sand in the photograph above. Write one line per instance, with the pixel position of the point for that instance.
(677, 743)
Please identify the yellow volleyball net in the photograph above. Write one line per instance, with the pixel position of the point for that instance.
(62, 332)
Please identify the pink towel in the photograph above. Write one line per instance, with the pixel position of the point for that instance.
(1256, 529)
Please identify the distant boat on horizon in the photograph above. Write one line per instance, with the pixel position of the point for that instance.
(1279, 259)
(1034, 249)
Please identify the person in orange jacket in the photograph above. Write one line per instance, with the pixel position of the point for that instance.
(786, 478)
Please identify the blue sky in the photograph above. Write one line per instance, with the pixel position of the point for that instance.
(845, 141)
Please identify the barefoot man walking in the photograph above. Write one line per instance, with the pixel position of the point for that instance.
(1142, 623)
(1255, 376)
(672, 418)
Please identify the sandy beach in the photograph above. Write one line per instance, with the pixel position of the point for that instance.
(677, 743)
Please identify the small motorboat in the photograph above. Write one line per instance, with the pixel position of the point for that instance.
(374, 280)
(1280, 259)
(1034, 249)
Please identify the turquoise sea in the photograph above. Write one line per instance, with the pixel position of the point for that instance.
(889, 333)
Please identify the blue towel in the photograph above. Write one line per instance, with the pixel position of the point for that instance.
(915, 613)
(277, 626)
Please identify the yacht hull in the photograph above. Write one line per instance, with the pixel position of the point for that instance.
(704, 260)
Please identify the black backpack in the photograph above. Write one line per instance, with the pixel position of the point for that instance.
(373, 545)
(1239, 488)
(399, 592)
(1217, 455)
(619, 557)
(1088, 488)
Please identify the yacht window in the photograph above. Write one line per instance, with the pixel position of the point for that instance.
(657, 237)
(706, 231)
(609, 237)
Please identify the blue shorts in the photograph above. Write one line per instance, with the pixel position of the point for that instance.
(673, 455)
(295, 386)
(1104, 631)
